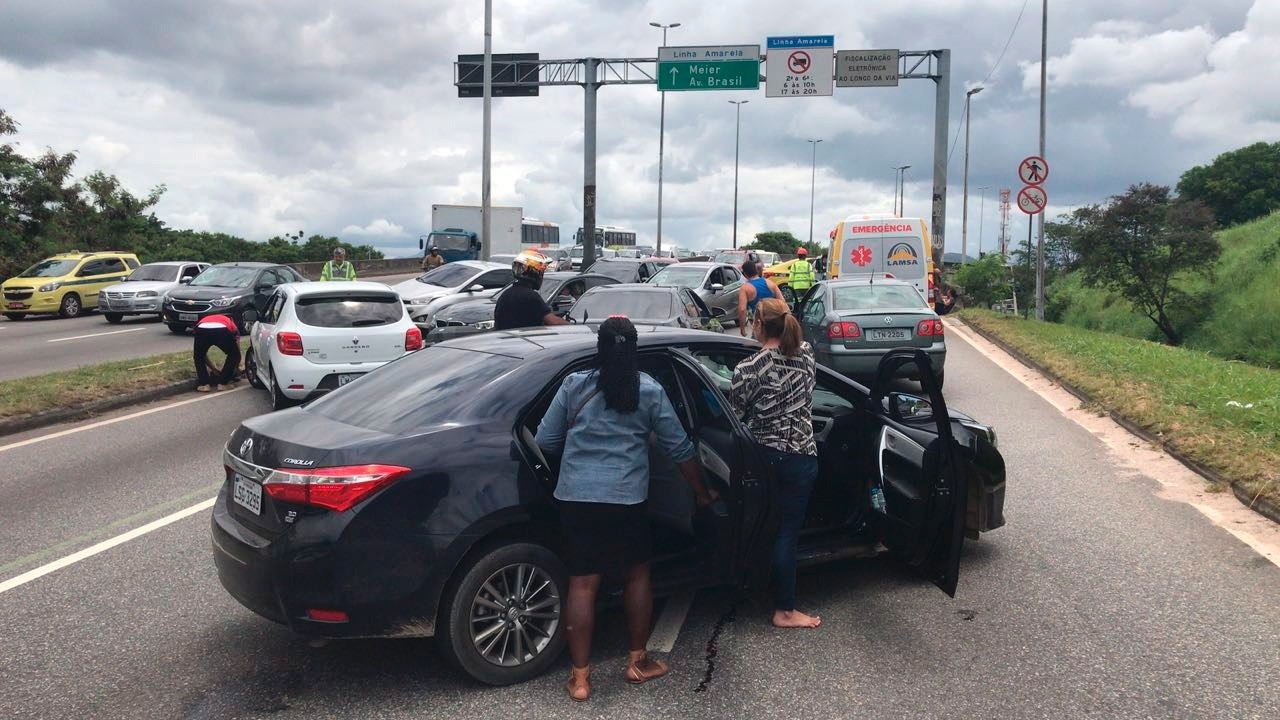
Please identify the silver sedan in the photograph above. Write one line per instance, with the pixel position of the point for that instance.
(716, 284)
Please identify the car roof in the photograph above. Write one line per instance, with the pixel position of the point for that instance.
(845, 282)
(528, 342)
(702, 264)
(175, 262)
(480, 264)
(247, 264)
(642, 287)
(321, 288)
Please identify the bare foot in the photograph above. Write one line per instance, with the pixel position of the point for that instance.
(795, 619)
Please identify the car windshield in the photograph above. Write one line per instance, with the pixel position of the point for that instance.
(690, 277)
(449, 241)
(225, 276)
(50, 268)
(350, 311)
(873, 297)
(161, 273)
(448, 275)
(423, 389)
(620, 271)
(733, 257)
(635, 304)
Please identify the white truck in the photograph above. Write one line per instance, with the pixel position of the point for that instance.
(456, 230)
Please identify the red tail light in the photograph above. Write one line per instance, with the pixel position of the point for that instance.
(412, 339)
(329, 616)
(335, 488)
(289, 343)
(929, 328)
(844, 330)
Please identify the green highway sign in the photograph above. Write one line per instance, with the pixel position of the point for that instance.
(721, 67)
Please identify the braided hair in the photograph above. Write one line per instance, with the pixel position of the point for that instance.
(617, 375)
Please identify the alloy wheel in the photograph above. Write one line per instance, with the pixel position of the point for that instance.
(515, 614)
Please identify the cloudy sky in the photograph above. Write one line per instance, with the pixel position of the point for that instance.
(341, 118)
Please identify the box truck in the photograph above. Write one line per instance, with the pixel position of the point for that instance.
(456, 230)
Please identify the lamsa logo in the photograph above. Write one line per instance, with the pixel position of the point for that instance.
(903, 254)
(861, 256)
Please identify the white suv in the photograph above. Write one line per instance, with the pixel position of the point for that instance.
(316, 337)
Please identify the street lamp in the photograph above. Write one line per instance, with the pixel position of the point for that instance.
(982, 206)
(736, 141)
(964, 214)
(899, 188)
(662, 131)
(813, 178)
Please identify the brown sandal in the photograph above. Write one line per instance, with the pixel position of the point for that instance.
(641, 668)
(579, 684)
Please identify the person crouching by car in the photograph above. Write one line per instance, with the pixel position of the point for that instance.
(221, 332)
(601, 420)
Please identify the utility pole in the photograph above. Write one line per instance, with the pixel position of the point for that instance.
(1044, 52)
(737, 137)
(900, 190)
(487, 153)
(982, 206)
(662, 134)
(964, 212)
(589, 71)
(813, 178)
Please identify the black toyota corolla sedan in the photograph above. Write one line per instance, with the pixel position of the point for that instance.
(414, 502)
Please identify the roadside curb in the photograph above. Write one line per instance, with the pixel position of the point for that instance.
(1262, 507)
(90, 409)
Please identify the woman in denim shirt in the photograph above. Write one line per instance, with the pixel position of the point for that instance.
(601, 420)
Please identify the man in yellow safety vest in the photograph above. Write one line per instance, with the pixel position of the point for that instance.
(801, 275)
(338, 268)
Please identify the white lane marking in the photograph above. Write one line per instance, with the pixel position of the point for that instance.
(667, 629)
(94, 335)
(103, 546)
(1178, 482)
(112, 421)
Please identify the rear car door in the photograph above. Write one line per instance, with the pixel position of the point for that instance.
(812, 314)
(918, 489)
(263, 334)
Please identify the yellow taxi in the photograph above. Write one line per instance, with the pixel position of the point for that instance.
(66, 284)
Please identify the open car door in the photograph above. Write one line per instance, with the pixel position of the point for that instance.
(917, 487)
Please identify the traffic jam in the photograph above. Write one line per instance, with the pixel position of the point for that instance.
(466, 455)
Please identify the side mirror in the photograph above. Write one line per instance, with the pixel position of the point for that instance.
(475, 288)
(716, 287)
(563, 303)
(718, 312)
(184, 281)
(250, 316)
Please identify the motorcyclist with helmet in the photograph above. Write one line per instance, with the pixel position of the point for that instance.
(520, 305)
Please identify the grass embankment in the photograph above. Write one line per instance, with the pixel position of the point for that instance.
(1223, 415)
(1234, 317)
(41, 393)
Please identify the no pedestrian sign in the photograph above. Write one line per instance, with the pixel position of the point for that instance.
(1033, 170)
(1032, 199)
(800, 66)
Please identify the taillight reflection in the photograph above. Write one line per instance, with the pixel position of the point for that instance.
(335, 488)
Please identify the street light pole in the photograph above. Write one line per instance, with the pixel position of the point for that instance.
(662, 133)
(964, 213)
(736, 143)
(813, 180)
(1044, 51)
(900, 192)
(982, 205)
(486, 223)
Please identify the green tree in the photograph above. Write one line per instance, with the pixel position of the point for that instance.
(783, 243)
(1237, 186)
(985, 281)
(1140, 242)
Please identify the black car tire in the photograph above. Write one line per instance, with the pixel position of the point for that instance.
(455, 638)
(177, 328)
(114, 318)
(15, 316)
(788, 295)
(71, 306)
(279, 401)
(251, 371)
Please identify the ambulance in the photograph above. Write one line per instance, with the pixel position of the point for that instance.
(864, 245)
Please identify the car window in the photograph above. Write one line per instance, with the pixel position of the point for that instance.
(720, 363)
(717, 277)
(598, 281)
(693, 307)
(830, 397)
(495, 279)
(871, 297)
(621, 271)
(111, 265)
(448, 275)
(276, 304)
(49, 268)
(225, 276)
(190, 271)
(690, 277)
(349, 311)
(93, 267)
(814, 311)
(730, 275)
(161, 273)
(637, 304)
(434, 385)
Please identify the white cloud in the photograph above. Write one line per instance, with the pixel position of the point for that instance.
(379, 228)
(1119, 56)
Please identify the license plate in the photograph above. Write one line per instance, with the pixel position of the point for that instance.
(247, 494)
(16, 306)
(188, 317)
(889, 334)
(344, 379)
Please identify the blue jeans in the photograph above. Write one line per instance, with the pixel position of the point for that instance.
(794, 476)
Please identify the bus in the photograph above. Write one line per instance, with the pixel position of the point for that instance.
(539, 233)
(607, 235)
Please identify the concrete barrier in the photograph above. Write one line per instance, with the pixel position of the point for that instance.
(364, 268)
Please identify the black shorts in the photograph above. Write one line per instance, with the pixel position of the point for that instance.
(604, 538)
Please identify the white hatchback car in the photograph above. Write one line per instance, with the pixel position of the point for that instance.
(316, 337)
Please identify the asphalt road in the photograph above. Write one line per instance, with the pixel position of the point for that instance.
(41, 344)
(1099, 599)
